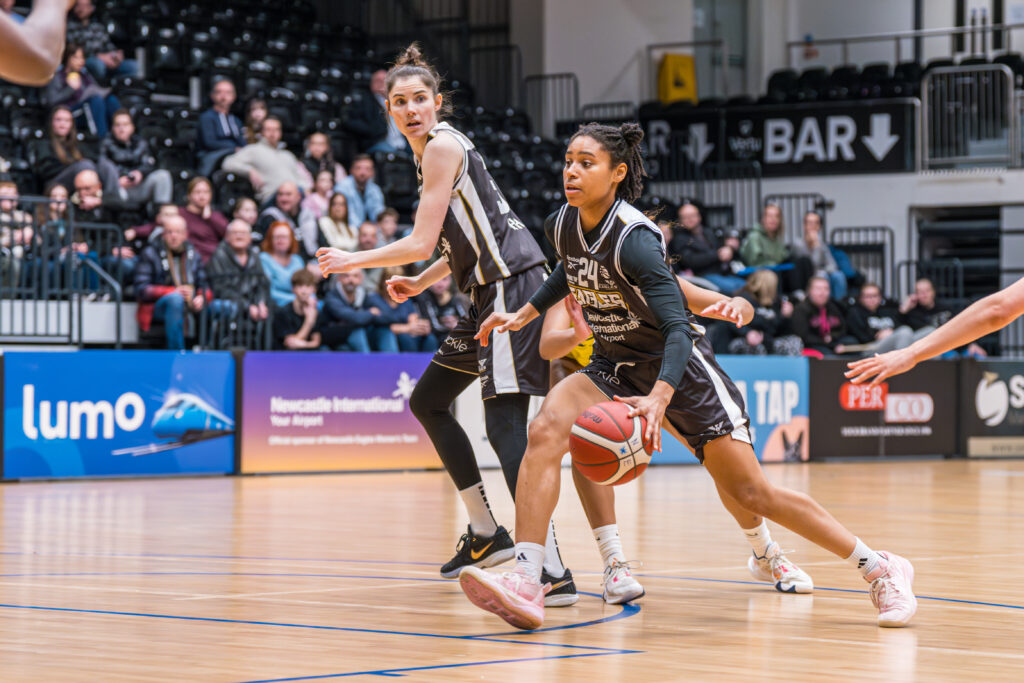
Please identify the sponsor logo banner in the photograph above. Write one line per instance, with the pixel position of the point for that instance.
(910, 414)
(89, 413)
(992, 408)
(314, 412)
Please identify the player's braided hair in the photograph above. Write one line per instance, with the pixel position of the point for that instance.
(623, 144)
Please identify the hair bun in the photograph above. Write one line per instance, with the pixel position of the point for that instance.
(411, 56)
(632, 133)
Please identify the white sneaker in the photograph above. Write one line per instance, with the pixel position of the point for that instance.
(891, 591)
(775, 568)
(619, 584)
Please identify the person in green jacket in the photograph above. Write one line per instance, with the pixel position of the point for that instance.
(765, 246)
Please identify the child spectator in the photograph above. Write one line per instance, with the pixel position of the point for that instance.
(335, 229)
(770, 331)
(297, 323)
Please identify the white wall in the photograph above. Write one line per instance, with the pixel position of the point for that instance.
(603, 42)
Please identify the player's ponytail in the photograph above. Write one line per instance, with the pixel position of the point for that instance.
(411, 63)
(623, 145)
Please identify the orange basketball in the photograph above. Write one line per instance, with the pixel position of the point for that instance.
(607, 445)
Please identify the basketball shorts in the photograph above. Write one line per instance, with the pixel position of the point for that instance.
(511, 362)
(706, 405)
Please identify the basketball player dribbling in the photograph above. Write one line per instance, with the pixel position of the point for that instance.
(612, 260)
(567, 342)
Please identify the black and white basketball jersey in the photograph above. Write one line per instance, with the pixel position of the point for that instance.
(623, 324)
(481, 238)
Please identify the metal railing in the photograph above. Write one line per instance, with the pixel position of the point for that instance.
(870, 249)
(969, 117)
(226, 322)
(946, 275)
(729, 191)
(496, 72)
(550, 98)
(720, 61)
(989, 37)
(608, 111)
(1011, 339)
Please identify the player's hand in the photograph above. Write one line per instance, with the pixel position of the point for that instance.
(401, 288)
(734, 310)
(498, 322)
(334, 261)
(651, 408)
(880, 366)
(579, 323)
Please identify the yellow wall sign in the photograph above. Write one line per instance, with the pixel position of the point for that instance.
(677, 78)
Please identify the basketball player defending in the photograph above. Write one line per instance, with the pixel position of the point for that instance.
(984, 316)
(496, 261)
(613, 263)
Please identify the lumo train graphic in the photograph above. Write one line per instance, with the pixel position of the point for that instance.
(186, 418)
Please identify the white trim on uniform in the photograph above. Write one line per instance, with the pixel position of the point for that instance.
(479, 217)
(503, 360)
(466, 143)
(604, 229)
(558, 229)
(732, 409)
(458, 210)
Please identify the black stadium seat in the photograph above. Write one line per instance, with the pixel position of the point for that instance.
(843, 83)
(812, 84)
(782, 85)
(873, 79)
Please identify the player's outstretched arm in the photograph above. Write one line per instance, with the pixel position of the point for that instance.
(30, 53)
(980, 318)
(731, 309)
(564, 329)
(400, 288)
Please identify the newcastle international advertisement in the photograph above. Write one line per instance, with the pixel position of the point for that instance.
(110, 413)
(316, 412)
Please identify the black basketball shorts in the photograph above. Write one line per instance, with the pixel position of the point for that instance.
(511, 362)
(706, 405)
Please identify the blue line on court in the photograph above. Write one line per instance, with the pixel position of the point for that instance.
(628, 610)
(401, 672)
(316, 627)
(834, 590)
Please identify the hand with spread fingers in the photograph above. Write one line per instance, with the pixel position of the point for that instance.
(880, 366)
(652, 408)
(498, 322)
(734, 310)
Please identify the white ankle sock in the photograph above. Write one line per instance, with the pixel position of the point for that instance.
(759, 538)
(863, 558)
(530, 558)
(480, 518)
(552, 558)
(609, 544)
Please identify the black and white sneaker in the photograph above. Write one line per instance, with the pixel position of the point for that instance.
(563, 590)
(479, 551)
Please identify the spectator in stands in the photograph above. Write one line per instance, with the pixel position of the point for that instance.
(765, 247)
(287, 208)
(53, 231)
(15, 234)
(265, 164)
(923, 312)
(246, 209)
(280, 259)
(369, 238)
(411, 332)
(255, 114)
(353, 316)
(876, 325)
(699, 251)
(139, 179)
(101, 55)
(365, 198)
(370, 123)
(206, 227)
(297, 324)
(317, 201)
(387, 221)
(91, 207)
(170, 283)
(73, 87)
(319, 157)
(7, 7)
(819, 321)
(440, 306)
(56, 158)
(335, 229)
(220, 131)
(770, 331)
(813, 247)
(236, 275)
(152, 231)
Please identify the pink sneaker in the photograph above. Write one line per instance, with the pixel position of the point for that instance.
(513, 596)
(891, 590)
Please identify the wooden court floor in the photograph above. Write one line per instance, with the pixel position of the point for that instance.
(332, 576)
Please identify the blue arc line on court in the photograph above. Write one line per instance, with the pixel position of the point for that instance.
(628, 610)
(834, 590)
(402, 672)
(315, 627)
